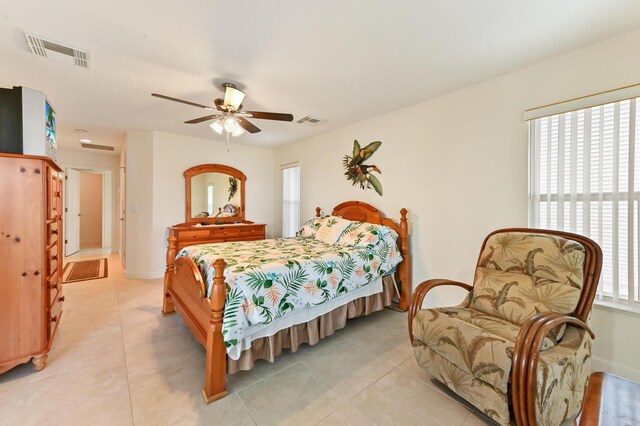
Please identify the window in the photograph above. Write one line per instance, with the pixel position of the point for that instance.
(585, 178)
(210, 198)
(290, 200)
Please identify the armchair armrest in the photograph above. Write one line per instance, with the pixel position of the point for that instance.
(421, 291)
(526, 355)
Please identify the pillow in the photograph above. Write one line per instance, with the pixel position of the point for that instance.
(309, 228)
(363, 234)
(331, 228)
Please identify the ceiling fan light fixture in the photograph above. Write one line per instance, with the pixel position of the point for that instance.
(217, 126)
(237, 132)
(230, 124)
(233, 97)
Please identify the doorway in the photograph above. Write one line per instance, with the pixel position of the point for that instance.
(88, 212)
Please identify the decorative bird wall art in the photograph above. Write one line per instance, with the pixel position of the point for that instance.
(358, 172)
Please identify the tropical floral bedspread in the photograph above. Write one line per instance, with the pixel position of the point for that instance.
(269, 279)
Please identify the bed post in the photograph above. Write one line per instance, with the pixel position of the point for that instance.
(214, 384)
(404, 271)
(167, 303)
(318, 210)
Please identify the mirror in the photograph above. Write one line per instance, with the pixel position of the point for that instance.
(214, 194)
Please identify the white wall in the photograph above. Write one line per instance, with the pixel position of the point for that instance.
(98, 161)
(458, 163)
(139, 209)
(156, 188)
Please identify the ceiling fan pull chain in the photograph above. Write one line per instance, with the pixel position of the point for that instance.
(227, 133)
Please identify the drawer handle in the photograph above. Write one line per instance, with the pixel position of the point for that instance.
(54, 318)
(61, 299)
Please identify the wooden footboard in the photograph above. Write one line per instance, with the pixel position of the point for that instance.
(185, 292)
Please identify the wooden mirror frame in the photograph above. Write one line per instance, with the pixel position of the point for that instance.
(213, 168)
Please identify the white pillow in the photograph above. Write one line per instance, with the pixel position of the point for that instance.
(331, 227)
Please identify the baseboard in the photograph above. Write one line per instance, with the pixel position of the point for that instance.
(601, 364)
(143, 275)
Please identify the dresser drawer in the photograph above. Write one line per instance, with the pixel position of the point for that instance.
(55, 312)
(52, 259)
(54, 285)
(225, 232)
(252, 231)
(194, 235)
(54, 194)
(53, 230)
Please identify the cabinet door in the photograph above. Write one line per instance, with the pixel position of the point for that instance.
(21, 250)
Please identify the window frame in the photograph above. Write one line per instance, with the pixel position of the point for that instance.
(285, 201)
(578, 195)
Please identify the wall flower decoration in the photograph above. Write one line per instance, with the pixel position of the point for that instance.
(233, 187)
(358, 172)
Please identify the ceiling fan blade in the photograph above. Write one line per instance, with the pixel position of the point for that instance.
(249, 127)
(201, 119)
(271, 115)
(169, 98)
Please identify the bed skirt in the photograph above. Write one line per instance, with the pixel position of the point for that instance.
(311, 332)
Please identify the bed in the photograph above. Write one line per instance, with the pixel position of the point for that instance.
(203, 284)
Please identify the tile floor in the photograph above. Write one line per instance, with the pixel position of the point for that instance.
(117, 361)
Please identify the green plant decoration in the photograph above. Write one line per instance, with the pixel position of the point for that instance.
(358, 172)
(233, 187)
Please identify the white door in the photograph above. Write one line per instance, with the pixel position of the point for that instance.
(123, 203)
(72, 212)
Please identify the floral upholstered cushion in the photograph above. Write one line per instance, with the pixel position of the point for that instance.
(363, 234)
(483, 354)
(309, 228)
(330, 229)
(520, 275)
(471, 353)
(498, 326)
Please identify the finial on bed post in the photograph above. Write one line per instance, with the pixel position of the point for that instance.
(405, 266)
(318, 210)
(167, 303)
(216, 368)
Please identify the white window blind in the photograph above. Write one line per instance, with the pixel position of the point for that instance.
(290, 200)
(585, 178)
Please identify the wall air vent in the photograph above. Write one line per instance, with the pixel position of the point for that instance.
(94, 146)
(308, 120)
(58, 51)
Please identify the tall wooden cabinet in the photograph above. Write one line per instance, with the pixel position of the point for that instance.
(30, 258)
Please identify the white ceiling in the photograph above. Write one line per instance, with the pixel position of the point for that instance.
(340, 61)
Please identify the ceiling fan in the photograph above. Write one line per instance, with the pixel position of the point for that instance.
(228, 114)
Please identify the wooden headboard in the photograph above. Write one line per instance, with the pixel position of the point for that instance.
(364, 212)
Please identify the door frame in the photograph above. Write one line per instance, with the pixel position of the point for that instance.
(108, 200)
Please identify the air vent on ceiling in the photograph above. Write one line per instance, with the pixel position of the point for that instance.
(54, 50)
(308, 120)
(94, 146)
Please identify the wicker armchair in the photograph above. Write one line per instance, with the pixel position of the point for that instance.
(518, 347)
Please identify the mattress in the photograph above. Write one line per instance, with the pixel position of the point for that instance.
(285, 281)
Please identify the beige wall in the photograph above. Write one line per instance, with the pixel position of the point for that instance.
(91, 210)
(459, 163)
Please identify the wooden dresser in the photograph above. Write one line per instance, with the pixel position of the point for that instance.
(188, 234)
(30, 258)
